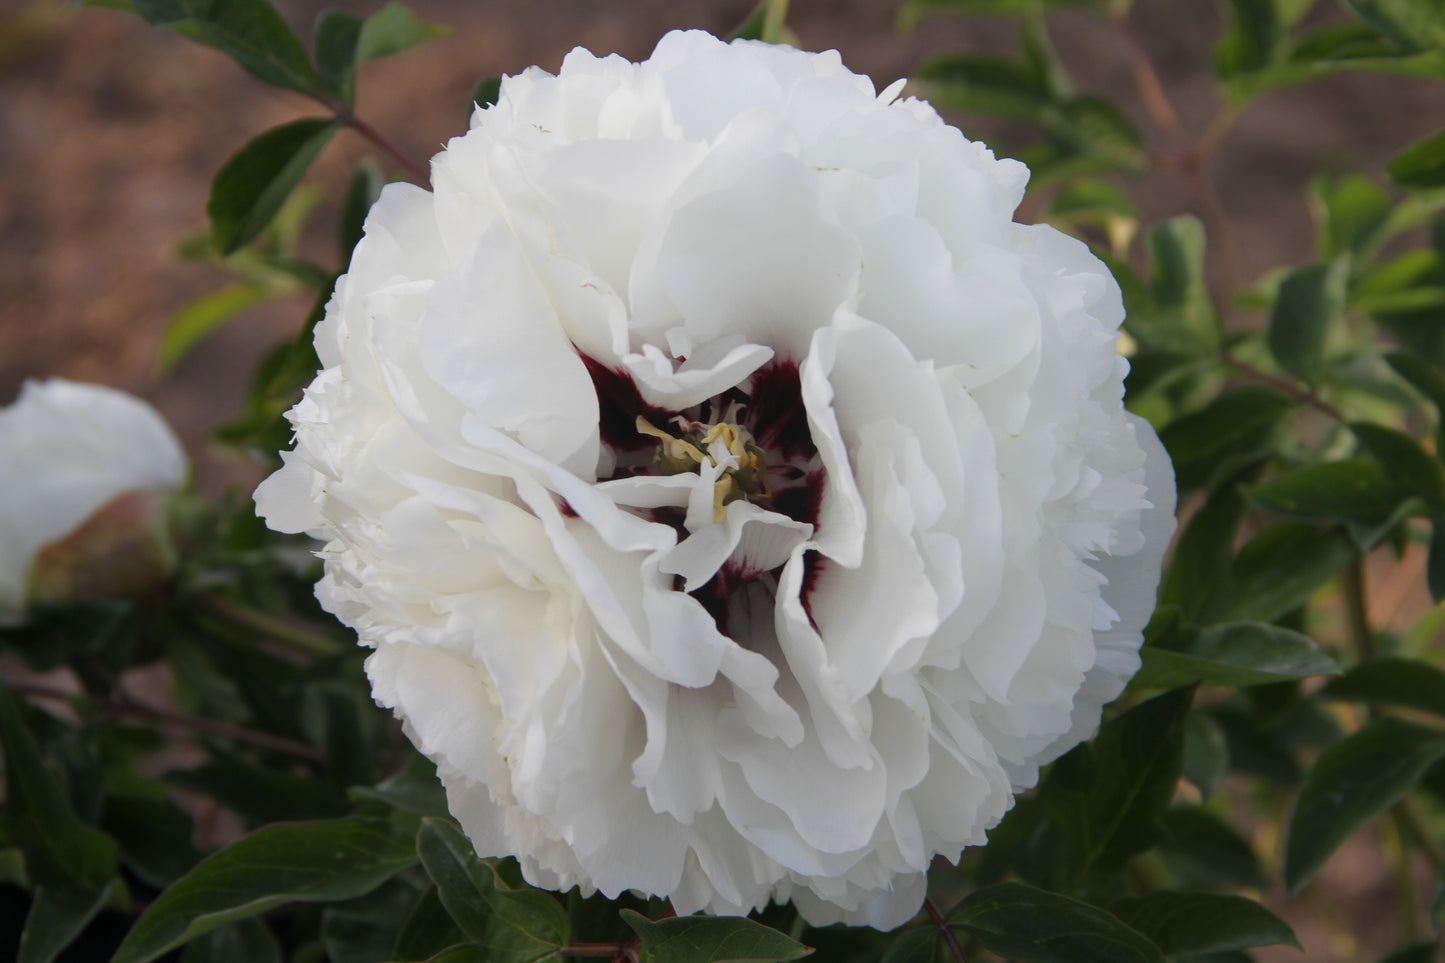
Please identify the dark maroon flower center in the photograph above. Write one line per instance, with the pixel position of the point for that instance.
(768, 408)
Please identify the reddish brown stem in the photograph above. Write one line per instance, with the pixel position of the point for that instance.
(940, 921)
(1303, 395)
(418, 171)
(123, 705)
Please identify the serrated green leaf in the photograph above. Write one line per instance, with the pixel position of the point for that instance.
(280, 863)
(1352, 782)
(1203, 851)
(37, 817)
(250, 188)
(251, 31)
(1356, 490)
(58, 915)
(1232, 654)
(1108, 794)
(711, 939)
(1033, 926)
(204, 315)
(1405, 683)
(1311, 299)
(334, 39)
(1232, 429)
(1194, 923)
(517, 925)
(1420, 166)
(466, 953)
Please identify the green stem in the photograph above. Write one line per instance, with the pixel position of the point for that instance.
(1356, 611)
(1408, 894)
(774, 19)
(270, 626)
(1407, 811)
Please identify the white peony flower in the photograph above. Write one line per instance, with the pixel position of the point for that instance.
(740, 505)
(81, 467)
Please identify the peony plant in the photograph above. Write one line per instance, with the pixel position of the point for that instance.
(704, 524)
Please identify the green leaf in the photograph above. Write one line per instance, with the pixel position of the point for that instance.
(1420, 166)
(428, 930)
(1404, 683)
(1233, 654)
(1356, 490)
(1423, 953)
(1203, 851)
(251, 31)
(1108, 794)
(1179, 317)
(1032, 926)
(1351, 783)
(711, 939)
(154, 834)
(1412, 24)
(58, 915)
(1193, 923)
(1353, 214)
(414, 789)
(1206, 752)
(38, 818)
(922, 944)
(1435, 565)
(282, 863)
(361, 194)
(487, 91)
(1205, 549)
(1414, 471)
(1310, 300)
(392, 30)
(245, 940)
(463, 954)
(204, 315)
(334, 38)
(1251, 39)
(250, 188)
(1278, 570)
(1234, 428)
(518, 925)
(1423, 377)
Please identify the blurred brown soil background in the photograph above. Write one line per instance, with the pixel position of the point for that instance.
(110, 132)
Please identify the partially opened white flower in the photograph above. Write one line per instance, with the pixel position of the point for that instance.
(740, 505)
(82, 469)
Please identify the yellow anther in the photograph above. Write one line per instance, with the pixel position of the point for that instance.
(742, 479)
